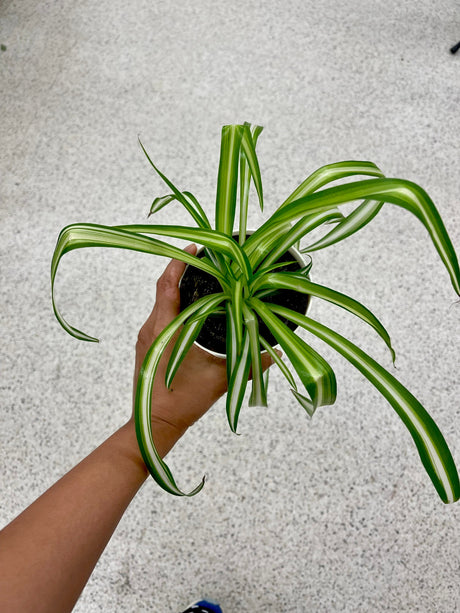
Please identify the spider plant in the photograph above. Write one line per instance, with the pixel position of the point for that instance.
(247, 271)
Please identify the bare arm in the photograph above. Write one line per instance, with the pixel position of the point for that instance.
(49, 551)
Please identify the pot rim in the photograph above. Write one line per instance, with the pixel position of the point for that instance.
(297, 255)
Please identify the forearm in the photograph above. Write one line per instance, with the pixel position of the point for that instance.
(49, 551)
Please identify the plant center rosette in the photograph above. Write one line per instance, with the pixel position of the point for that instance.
(196, 283)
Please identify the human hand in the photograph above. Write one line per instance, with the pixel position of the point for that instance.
(201, 378)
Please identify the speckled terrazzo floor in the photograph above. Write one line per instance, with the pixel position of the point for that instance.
(333, 515)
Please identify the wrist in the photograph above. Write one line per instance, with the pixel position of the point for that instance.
(165, 435)
(126, 445)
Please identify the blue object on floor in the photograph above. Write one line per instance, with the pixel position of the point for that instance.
(203, 606)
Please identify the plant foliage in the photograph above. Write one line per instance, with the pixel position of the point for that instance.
(246, 270)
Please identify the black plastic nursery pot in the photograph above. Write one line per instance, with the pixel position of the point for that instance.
(196, 283)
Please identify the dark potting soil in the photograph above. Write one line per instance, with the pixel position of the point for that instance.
(197, 283)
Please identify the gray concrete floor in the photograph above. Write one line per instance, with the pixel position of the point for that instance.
(333, 515)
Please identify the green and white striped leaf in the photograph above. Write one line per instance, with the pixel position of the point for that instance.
(264, 271)
(248, 148)
(256, 250)
(305, 271)
(237, 308)
(266, 376)
(233, 346)
(294, 282)
(304, 402)
(405, 194)
(195, 210)
(143, 402)
(315, 373)
(245, 178)
(360, 217)
(78, 236)
(277, 247)
(209, 238)
(278, 361)
(227, 179)
(430, 443)
(161, 202)
(258, 394)
(188, 335)
(332, 172)
(238, 383)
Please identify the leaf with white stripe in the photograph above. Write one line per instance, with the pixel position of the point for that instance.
(403, 193)
(356, 220)
(305, 403)
(315, 373)
(248, 148)
(227, 178)
(237, 307)
(292, 281)
(332, 172)
(194, 209)
(78, 236)
(188, 336)
(430, 443)
(207, 237)
(237, 384)
(277, 247)
(233, 348)
(258, 396)
(143, 402)
(245, 178)
(278, 361)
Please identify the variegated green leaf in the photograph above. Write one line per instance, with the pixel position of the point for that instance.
(233, 346)
(209, 238)
(297, 283)
(237, 308)
(305, 403)
(360, 217)
(245, 178)
(238, 382)
(194, 209)
(188, 335)
(266, 380)
(332, 172)
(278, 361)
(258, 394)
(264, 271)
(430, 443)
(227, 180)
(256, 250)
(161, 202)
(406, 194)
(248, 147)
(78, 236)
(143, 402)
(277, 247)
(315, 373)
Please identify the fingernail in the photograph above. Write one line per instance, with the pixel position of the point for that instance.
(190, 248)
